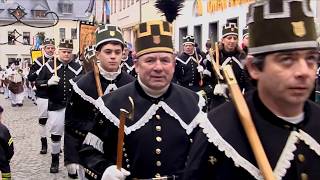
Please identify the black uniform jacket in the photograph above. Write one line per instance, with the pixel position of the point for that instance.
(221, 149)
(234, 59)
(6, 151)
(157, 139)
(186, 73)
(127, 65)
(58, 94)
(317, 92)
(33, 74)
(81, 111)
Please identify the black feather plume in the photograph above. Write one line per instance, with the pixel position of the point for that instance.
(169, 8)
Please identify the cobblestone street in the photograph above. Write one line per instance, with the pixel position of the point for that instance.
(27, 163)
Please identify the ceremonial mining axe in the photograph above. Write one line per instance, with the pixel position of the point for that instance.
(122, 119)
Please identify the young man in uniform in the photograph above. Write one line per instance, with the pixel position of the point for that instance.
(55, 76)
(284, 64)
(229, 53)
(81, 110)
(41, 93)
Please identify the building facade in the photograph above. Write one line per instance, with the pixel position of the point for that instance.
(205, 18)
(128, 13)
(17, 39)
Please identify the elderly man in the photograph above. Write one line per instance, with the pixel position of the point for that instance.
(55, 76)
(41, 93)
(284, 64)
(81, 110)
(157, 138)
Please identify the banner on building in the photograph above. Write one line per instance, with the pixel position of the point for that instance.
(197, 8)
(220, 5)
(87, 36)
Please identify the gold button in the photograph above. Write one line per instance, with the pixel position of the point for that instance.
(158, 116)
(157, 175)
(159, 139)
(301, 157)
(158, 163)
(304, 176)
(158, 128)
(158, 151)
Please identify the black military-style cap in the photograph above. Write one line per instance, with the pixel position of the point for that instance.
(189, 39)
(48, 41)
(108, 32)
(278, 25)
(153, 36)
(229, 29)
(66, 44)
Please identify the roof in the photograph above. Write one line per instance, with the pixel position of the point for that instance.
(77, 13)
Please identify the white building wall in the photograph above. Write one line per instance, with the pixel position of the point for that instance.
(130, 16)
(189, 20)
(23, 51)
(18, 50)
(68, 25)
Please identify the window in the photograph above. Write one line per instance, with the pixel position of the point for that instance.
(11, 38)
(198, 36)
(38, 13)
(62, 33)
(182, 33)
(73, 33)
(115, 6)
(26, 38)
(124, 4)
(26, 61)
(233, 20)
(11, 60)
(213, 32)
(65, 8)
(120, 7)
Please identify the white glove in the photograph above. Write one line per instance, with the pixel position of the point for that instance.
(72, 168)
(54, 80)
(207, 72)
(112, 173)
(200, 68)
(201, 93)
(220, 90)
